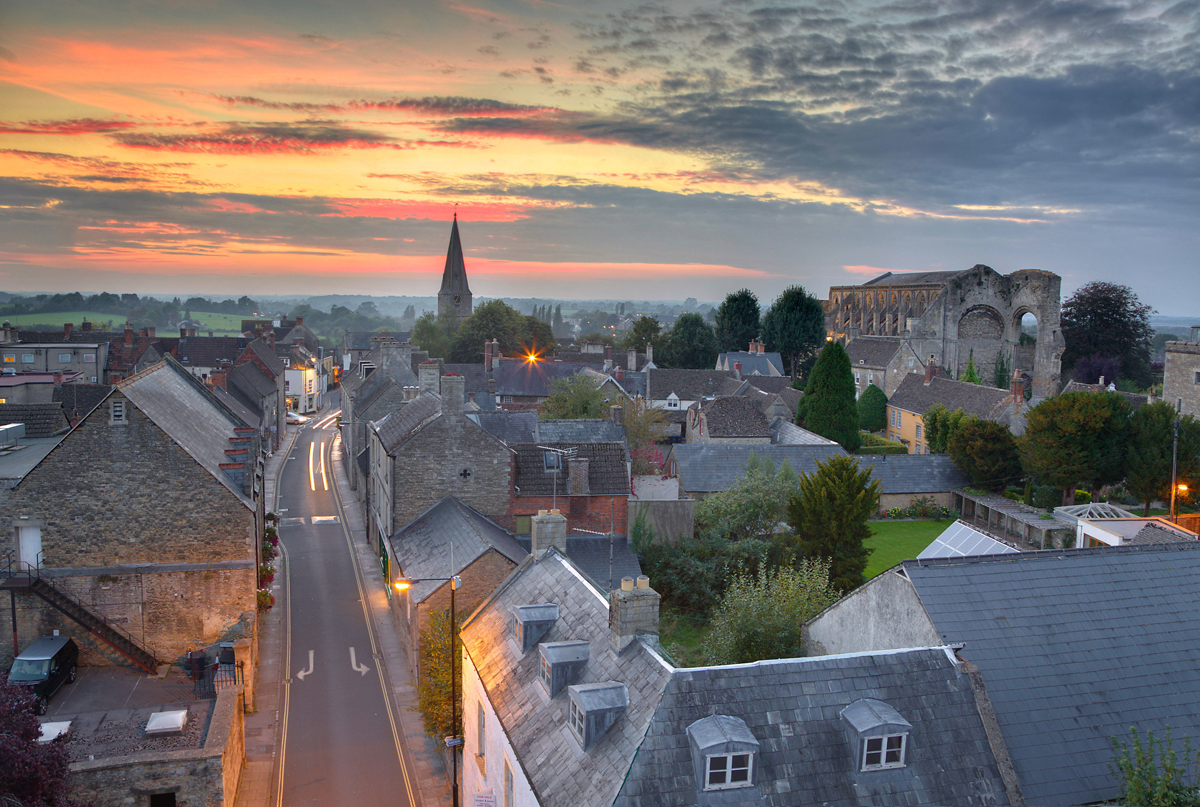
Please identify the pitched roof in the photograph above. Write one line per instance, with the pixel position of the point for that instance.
(267, 356)
(81, 398)
(910, 278)
(450, 529)
(688, 385)
(532, 378)
(560, 775)
(475, 374)
(914, 395)
(590, 554)
(253, 380)
(249, 416)
(454, 276)
(180, 406)
(1075, 646)
(753, 364)
(509, 427)
(789, 434)
(1154, 534)
(735, 417)
(608, 474)
(580, 430)
(914, 473)
(208, 351)
(40, 419)
(872, 351)
(793, 708)
(961, 539)
(712, 467)
(402, 424)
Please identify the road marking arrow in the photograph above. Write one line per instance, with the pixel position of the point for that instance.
(303, 673)
(354, 665)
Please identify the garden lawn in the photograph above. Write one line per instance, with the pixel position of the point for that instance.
(894, 541)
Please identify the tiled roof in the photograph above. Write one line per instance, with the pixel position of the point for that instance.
(371, 392)
(449, 529)
(1076, 646)
(251, 378)
(238, 405)
(580, 430)
(77, 335)
(735, 417)
(914, 473)
(789, 434)
(872, 351)
(774, 384)
(475, 374)
(793, 708)
(408, 420)
(509, 427)
(81, 398)
(753, 364)
(708, 468)
(688, 385)
(590, 553)
(267, 356)
(911, 278)
(559, 773)
(1152, 534)
(913, 395)
(207, 351)
(40, 419)
(122, 358)
(608, 474)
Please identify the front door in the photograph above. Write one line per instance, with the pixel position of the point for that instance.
(29, 547)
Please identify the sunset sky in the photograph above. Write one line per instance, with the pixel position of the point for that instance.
(600, 149)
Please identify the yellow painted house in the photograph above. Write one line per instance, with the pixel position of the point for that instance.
(917, 394)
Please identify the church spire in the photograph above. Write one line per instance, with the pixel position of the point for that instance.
(455, 294)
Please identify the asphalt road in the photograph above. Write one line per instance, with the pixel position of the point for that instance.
(339, 740)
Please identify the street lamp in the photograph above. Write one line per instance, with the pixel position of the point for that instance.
(454, 740)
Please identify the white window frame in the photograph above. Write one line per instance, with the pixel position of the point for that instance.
(885, 755)
(733, 775)
(918, 431)
(64, 358)
(546, 672)
(28, 358)
(577, 721)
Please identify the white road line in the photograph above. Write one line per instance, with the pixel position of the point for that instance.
(312, 484)
(309, 671)
(324, 478)
(354, 665)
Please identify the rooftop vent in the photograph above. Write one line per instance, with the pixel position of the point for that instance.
(161, 723)
(52, 731)
(531, 623)
(594, 708)
(562, 662)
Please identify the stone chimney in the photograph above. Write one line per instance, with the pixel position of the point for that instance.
(577, 477)
(1195, 333)
(631, 361)
(150, 331)
(58, 378)
(299, 321)
(737, 370)
(454, 392)
(632, 610)
(617, 414)
(495, 354)
(548, 529)
(649, 353)
(427, 372)
(67, 328)
(128, 333)
(608, 363)
(219, 378)
(487, 354)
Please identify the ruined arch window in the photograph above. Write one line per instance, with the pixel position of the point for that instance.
(881, 298)
(893, 298)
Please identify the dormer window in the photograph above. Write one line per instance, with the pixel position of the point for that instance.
(594, 708)
(723, 751)
(877, 733)
(561, 663)
(724, 771)
(883, 752)
(531, 623)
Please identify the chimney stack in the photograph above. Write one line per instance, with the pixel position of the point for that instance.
(86, 326)
(128, 334)
(219, 378)
(271, 338)
(737, 370)
(454, 392)
(548, 529)
(649, 353)
(487, 354)
(618, 415)
(577, 477)
(930, 371)
(620, 372)
(1195, 333)
(67, 328)
(762, 347)
(495, 354)
(428, 375)
(299, 321)
(632, 610)
(150, 331)
(631, 361)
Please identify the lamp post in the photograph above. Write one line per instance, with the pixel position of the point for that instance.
(1175, 465)
(454, 740)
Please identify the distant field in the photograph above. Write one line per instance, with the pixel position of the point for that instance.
(219, 324)
(894, 541)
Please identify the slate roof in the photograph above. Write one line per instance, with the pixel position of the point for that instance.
(532, 379)
(123, 358)
(753, 364)
(449, 529)
(910, 278)
(253, 381)
(475, 374)
(589, 553)
(914, 473)
(509, 427)
(82, 398)
(236, 404)
(580, 430)
(181, 406)
(735, 417)
(40, 419)
(793, 707)
(789, 434)
(872, 351)
(913, 395)
(207, 351)
(1153, 534)
(709, 467)
(408, 420)
(560, 775)
(608, 473)
(1075, 647)
(372, 390)
(267, 356)
(688, 385)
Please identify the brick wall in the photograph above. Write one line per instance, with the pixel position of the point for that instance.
(582, 512)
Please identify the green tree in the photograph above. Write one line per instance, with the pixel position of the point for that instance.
(692, 344)
(435, 334)
(986, 451)
(645, 425)
(1001, 375)
(1152, 773)
(1074, 439)
(1148, 452)
(440, 644)
(646, 330)
(738, 321)
(516, 334)
(557, 326)
(829, 516)
(1107, 319)
(761, 617)
(828, 406)
(753, 507)
(940, 426)
(970, 376)
(872, 409)
(794, 326)
(576, 396)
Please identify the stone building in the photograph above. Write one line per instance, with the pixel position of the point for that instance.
(728, 420)
(916, 395)
(1181, 375)
(454, 298)
(954, 316)
(148, 516)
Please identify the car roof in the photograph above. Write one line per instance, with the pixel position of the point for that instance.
(44, 648)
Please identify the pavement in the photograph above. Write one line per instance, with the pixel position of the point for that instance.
(425, 764)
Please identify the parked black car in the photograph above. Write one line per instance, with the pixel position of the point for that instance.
(45, 666)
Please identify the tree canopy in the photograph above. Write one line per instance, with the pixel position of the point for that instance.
(829, 515)
(872, 409)
(1148, 452)
(32, 773)
(645, 425)
(986, 451)
(440, 643)
(645, 330)
(576, 396)
(1077, 438)
(435, 334)
(828, 406)
(738, 321)
(517, 334)
(691, 344)
(940, 426)
(1107, 319)
(753, 507)
(794, 326)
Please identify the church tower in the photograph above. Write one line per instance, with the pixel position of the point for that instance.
(455, 296)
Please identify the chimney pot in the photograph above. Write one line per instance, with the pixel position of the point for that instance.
(626, 584)
(643, 582)
(632, 611)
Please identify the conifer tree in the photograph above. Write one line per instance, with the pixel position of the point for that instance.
(986, 451)
(872, 409)
(829, 516)
(828, 406)
(738, 321)
(970, 375)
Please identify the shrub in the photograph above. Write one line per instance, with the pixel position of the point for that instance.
(1083, 497)
(1152, 774)
(440, 644)
(265, 600)
(1047, 497)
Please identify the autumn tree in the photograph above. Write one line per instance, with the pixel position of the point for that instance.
(691, 344)
(794, 326)
(872, 409)
(829, 516)
(32, 773)
(828, 406)
(645, 425)
(1107, 319)
(1077, 438)
(440, 644)
(576, 396)
(986, 451)
(738, 321)
(1148, 452)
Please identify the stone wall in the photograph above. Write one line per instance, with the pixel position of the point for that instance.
(204, 777)
(889, 500)
(1181, 376)
(884, 614)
